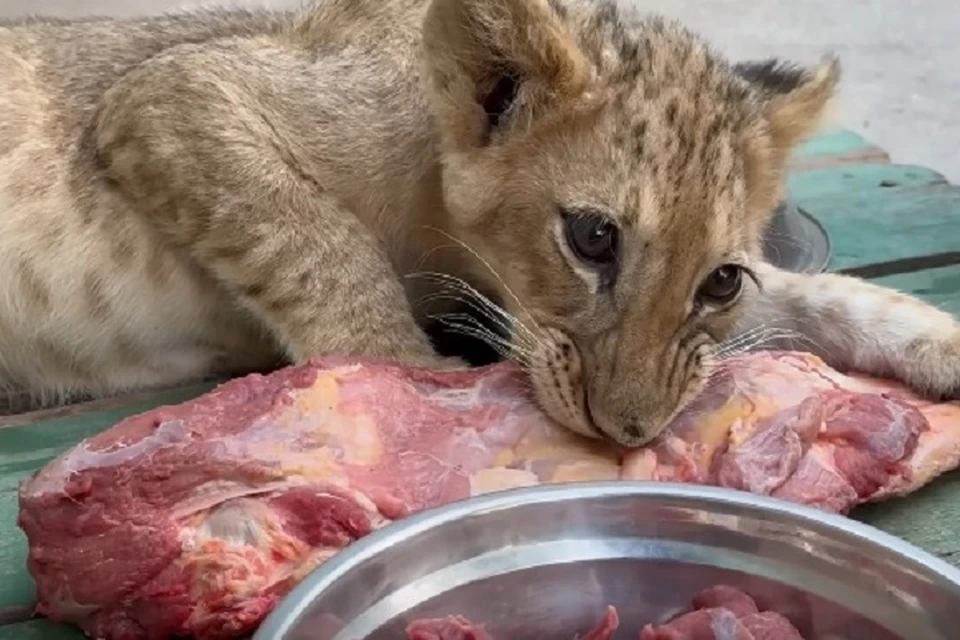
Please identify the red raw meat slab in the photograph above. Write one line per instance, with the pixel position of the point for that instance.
(196, 519)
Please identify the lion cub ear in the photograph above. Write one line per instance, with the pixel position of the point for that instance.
(795, 99)
(793, 102)
(490, 60)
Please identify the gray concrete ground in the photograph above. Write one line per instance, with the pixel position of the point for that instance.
(902, 57)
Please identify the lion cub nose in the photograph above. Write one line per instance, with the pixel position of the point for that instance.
(629, 422)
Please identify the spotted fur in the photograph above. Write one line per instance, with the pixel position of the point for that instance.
(221, 192)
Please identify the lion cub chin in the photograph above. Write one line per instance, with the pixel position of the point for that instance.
(220, 192)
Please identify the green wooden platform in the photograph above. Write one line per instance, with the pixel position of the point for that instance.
(899, 223)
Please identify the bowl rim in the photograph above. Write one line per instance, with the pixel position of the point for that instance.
(812, 230)
(291, 607)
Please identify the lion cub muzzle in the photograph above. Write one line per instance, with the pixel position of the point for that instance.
(619, 396)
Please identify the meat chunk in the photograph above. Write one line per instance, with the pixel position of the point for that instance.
(841, 440)
(770, 625)
(729, 598)
(724, 613)
(452, 628)
(719, 613)
(459, 628)
(194, 520)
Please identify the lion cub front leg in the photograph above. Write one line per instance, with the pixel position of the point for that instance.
(183, 139)
(855, 325)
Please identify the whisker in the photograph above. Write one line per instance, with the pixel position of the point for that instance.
(738, 340)
(493, 271)
(477, 305)
(751, 345)
(429, 252)
(472, 304)
(490, 309)
(504, 347)
(804, 340)
(448, 319)
(754, 340)
(759, 336)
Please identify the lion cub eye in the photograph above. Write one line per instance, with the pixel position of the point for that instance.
(722, 285)
(593, 238)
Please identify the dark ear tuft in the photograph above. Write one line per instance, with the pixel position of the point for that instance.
(794, 99)
(498, 101)
(772, 76)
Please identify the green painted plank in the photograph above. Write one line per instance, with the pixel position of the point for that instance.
(855, 178)
(940, 287)
(16, 585)
(836, 148)
(838, 142)
(929, 518)
(39, 630)
(885, 224)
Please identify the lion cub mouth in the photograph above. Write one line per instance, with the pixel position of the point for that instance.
(552, 362)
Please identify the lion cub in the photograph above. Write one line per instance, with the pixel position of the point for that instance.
(223, 192)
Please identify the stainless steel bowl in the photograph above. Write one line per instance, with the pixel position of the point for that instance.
(544, 562)
(795, 241)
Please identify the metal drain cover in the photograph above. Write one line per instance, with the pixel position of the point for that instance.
(795, 241)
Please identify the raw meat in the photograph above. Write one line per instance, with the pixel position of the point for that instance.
(459, 628)
(719, 613)
(724, 613)
(196, 519)
(452, 628)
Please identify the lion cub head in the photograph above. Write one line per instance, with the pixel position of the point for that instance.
(614, 176)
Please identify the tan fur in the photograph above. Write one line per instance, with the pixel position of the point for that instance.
(221, 192)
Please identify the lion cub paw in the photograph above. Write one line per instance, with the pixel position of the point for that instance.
(932, 366)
